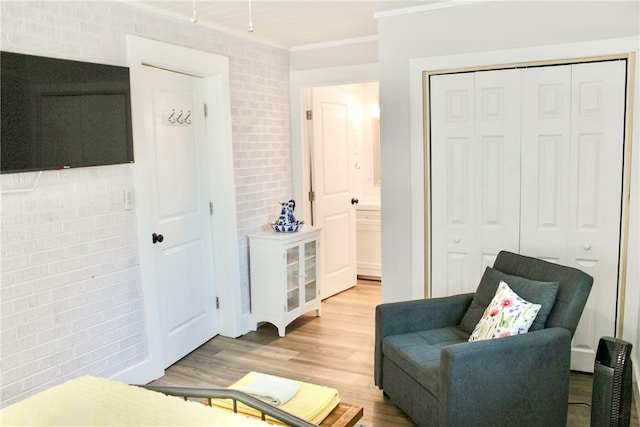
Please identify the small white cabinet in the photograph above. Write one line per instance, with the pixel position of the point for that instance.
(284, 279)
(369, 243)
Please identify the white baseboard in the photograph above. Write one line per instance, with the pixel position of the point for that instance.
(245, 325)
(151, 369)
(140, 373)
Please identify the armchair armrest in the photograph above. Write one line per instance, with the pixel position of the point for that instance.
(417, 315)
(523, 378)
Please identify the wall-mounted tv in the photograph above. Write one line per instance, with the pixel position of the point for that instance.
(58, 114)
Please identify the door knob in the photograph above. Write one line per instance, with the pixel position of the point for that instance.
(157, 238)
(354, 201)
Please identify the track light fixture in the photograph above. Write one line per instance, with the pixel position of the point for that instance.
(250, 29)
(194, 13)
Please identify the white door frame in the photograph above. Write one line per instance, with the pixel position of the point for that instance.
(214, 69)
(300, 84)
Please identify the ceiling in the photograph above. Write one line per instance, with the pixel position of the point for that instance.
(285, 24)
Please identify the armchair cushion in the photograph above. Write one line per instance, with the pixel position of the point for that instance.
(406, 317)
(534, 291)
(418, 353)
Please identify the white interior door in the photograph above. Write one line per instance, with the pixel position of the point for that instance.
(179, 198)
(335, 133)
(567, 179)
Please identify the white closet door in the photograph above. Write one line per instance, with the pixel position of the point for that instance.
(534, 168)
(453, 154)
(597, 140)
(475, 176)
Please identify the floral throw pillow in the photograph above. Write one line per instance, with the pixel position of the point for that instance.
(507, 314)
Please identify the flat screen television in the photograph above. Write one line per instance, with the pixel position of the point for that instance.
(59, 114)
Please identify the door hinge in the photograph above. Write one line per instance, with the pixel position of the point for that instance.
(309, 115)
(206, 110)
(217, 302)
(312, 196)
(210, 208)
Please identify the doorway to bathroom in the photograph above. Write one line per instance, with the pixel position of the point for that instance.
(302, 85)
(342, 136)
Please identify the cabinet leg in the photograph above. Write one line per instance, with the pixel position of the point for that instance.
(317, 312)
(281, 331)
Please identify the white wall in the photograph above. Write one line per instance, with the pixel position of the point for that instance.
(71, 292)
(67, 252)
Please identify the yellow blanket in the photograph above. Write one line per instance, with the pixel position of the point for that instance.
(91, 401)
(312, 402)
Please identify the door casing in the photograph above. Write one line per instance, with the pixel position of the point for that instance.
(300, 85)
(214, 70)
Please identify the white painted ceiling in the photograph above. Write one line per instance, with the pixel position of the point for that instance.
(285, 24)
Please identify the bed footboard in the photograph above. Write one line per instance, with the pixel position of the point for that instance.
(236, 396)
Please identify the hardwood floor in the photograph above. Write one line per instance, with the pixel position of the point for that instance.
(334, 350)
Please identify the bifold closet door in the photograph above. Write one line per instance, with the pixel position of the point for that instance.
(530, 160)
(475, 175)
(572, 150)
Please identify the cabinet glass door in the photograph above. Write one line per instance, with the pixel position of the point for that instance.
(310, 282)
(293, 278)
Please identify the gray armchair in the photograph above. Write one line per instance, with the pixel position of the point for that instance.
(425, 364)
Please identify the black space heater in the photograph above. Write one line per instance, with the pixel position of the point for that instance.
(611, 398)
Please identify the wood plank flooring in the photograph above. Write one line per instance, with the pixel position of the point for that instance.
(334, 350)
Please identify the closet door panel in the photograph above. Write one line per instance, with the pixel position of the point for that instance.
(453, 154)
(497, 183)
(546, 154)
(597, 144)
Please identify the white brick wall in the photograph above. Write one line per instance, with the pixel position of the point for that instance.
(71, 297)
(262, 161)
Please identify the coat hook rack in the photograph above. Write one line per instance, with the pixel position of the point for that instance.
(181, 118)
